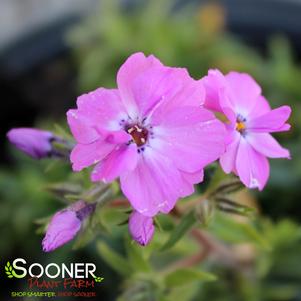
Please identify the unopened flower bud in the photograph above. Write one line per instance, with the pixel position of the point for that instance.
(204, 212)
(65, 224)
(33, 142)
(141, 228)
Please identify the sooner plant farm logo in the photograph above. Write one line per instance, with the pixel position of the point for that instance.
(65, 280)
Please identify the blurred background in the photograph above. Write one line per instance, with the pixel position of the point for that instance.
(51, 51)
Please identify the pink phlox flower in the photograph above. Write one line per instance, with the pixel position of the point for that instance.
(152, 132)
(250, 122)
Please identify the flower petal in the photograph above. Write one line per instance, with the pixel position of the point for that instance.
(244, 92)
(117, 162)
(184, 92)
(227, 160)
(190, 179)
(116, 137)
(265, 144)
(191, 136)
(252, 167)
(155, 85)
(81, 127)
(103, 108)
(128, 72)
(214, 82)
(99, 110)
(84, 155)
(194, 178)
(261, 107)
(272, 121)
(155, 184)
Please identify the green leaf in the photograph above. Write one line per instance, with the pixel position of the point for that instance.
(186, 276)
(227, 228)
(114, 260)
(84, 238)
(112, 217)
(205, 212)
(43, 220)
(60, 131)
(185, 224)
(228, 186)
(217, 178)
(136, 256)
(252, 233)
(226, 204)
(62, 189)
(10, 276)
(186, 292)
(97, 223)
(164, 222)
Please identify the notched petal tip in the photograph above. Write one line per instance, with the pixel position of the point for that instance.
(141, 228)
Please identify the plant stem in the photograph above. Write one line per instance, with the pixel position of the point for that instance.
(209, 246)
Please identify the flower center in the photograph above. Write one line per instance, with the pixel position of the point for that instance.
(240, 125)
(139, 134)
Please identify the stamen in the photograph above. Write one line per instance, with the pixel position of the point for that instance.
(139, 134)
(138, 129)
(240, 126)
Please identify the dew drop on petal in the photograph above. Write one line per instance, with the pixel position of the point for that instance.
(254, 183)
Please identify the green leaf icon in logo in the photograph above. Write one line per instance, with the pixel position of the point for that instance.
(98, 279)
(9, 270)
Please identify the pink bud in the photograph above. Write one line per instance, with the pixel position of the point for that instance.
(35, 143)
(141, 228)
(65, 224)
